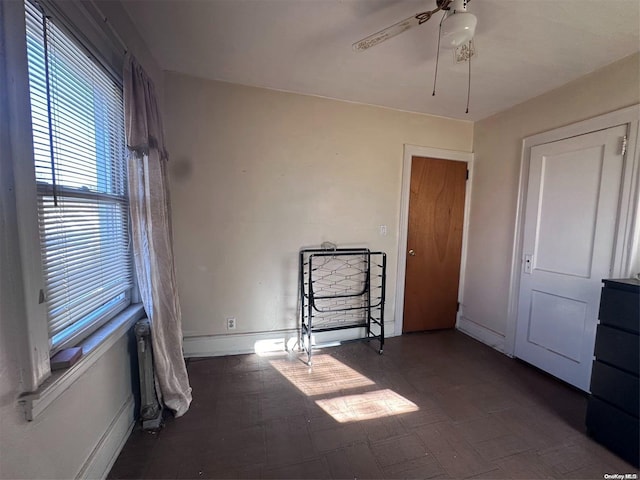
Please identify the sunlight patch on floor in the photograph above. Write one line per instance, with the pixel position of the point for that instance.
(367, 406)
(329, 376)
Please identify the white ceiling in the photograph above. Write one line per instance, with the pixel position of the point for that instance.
(525, 48)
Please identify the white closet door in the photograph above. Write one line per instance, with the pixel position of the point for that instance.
(569, 236)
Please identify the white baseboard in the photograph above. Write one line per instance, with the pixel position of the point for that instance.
(278, 340)
(108, 448)
(237, 343)
(481, 333)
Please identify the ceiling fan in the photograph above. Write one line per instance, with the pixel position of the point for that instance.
(458, 25)
(456, 30)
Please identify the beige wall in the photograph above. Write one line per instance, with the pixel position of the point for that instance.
(61, 441)
(121, 23)
(258, 174)
(497, 146)
(57, 444)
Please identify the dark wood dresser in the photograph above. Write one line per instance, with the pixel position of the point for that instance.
(612, 411)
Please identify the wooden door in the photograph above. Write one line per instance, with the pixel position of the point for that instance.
(568, 243)
(434, 243)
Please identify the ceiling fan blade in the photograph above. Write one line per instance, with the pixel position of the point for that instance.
(395, 29)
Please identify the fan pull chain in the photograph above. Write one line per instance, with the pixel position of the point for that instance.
(469, 85)
(435, 77)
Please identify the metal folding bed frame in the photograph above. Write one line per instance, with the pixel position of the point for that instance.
(341, 288)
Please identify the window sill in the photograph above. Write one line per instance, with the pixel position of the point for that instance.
(93, 348)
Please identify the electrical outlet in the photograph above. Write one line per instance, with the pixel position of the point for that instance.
(231, 323)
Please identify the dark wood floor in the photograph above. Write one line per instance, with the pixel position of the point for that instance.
(435, 405)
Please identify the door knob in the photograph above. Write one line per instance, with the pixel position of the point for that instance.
(412, 253)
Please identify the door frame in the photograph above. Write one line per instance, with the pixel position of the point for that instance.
(627, 239)
(411, 151)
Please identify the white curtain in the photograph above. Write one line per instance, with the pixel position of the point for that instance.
(151, 234)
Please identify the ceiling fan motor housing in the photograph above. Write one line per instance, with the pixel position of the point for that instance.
(460, 5)
(459, 26)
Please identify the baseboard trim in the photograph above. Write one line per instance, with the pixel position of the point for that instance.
(237, 343)
(256, 342)
(105, 453)
(481, 333)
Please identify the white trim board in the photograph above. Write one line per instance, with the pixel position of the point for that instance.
(418, 151)
(110, 445)
(256, 342)
(235, 343)
(481, 333)
(627, 231)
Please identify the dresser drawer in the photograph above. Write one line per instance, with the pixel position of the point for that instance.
(620, 308)
(613, 428)
(619, 388)
(618, 348)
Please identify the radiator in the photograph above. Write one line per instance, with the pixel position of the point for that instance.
(150, 409)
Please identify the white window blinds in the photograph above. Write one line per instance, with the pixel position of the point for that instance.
(80, 168)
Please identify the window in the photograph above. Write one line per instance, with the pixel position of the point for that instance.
(80, 168)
